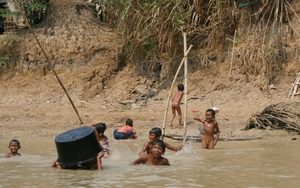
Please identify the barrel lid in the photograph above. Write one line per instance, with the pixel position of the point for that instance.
(74, 134)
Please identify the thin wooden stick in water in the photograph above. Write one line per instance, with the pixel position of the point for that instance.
(168, 101)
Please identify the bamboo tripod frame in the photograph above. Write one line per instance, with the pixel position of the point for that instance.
(171, 89)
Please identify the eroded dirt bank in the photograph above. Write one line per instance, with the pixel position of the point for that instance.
(87, 58)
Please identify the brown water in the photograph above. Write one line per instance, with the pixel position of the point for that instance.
(251, 164)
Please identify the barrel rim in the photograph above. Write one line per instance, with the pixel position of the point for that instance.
(57, 139)
(77, 163)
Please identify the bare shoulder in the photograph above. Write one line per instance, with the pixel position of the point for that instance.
(147, 144)
(8, 155)
(103, 138)
(165, 161)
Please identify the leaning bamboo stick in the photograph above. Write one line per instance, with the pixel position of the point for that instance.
(168, 101)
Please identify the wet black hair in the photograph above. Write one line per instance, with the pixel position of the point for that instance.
(161, 144)
(180, 87)
(212, 111)
(129, 122)
(100, 127)
(156, 131)
(16, 141)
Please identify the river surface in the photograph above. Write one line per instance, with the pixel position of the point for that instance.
(250, 164)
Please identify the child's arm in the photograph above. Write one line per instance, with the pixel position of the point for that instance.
(173, 97)
(55, 164)
(173, 148)
(99, 162)
(142, 152)
(199, 119)
(140, 160)
(188, 91)
(218, 133)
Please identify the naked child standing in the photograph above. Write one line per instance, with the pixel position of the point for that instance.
(210, 126)
(176, 100)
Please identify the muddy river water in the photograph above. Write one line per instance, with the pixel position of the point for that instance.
(251, 164)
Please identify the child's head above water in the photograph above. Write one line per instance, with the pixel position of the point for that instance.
(156, 131)
(160, 145)
(100, 127)
(210, 114)
(129, 122)
(15, 141)
(180, 87)
(14, 146)
(154, 134)
(211, 111)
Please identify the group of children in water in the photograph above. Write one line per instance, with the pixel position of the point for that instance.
(153, 150)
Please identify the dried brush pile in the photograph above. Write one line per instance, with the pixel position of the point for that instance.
(285, 116)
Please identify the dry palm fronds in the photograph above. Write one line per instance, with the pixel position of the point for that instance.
(277, 116)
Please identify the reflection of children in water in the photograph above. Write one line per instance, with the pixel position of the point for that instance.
(14, 146)
(210, 125)
(91, 165)
(100, 129)
(155, 158)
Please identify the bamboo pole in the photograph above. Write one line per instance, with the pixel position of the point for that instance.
(232, 53)
(47, 59)
(293, 86)
(185, 86)
(296, 86)
(168, 101)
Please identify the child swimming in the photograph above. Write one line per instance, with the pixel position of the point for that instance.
(154, 135)
(210, 125)
(155, 158)
(14, 146)
(125, 132)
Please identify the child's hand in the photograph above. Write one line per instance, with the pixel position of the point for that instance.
(105, 155)
(186, 142)
(100, 154)
(215, 142)
(199, 119)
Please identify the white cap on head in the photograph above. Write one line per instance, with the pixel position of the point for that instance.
(215, 108)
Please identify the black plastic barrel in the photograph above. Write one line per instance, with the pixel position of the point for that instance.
(77, 146)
